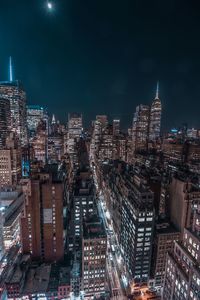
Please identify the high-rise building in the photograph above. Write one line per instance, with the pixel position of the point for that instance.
(184, 196)
(35, 113)
(140, 128)
(39, 142)
(41, 219)
(94, 249)
(106, 144)
(74, 127)
(165, 236)
(137, 222)
(14, 92)
(10, 162)
(155, 117)
(182, 274)
(116, 127)
(5, 121)
(55, 149)
(5, 168)
(103, 119)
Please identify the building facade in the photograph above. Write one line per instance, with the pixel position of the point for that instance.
(14, 92)
(94, 249)
(41, 220)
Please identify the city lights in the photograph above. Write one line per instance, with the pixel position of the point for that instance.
(99, 164)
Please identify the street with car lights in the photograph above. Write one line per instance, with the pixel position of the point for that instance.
(113, 256)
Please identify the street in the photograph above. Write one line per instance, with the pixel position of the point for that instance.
(115, 281)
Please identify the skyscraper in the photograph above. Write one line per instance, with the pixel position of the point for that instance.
(155, 117)
(4, 120)
(74, 132)
(94, 254)
(35, 113)
(13, 91)
(116, 127)
(140, 128)
(10, 162)
(137, 228)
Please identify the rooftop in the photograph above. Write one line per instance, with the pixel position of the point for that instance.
(93, 227)
(37, 279)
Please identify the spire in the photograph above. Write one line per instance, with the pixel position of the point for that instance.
(10, 70)
(157, 90)
(53, 120)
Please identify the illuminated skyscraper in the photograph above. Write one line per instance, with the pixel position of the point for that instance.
(140, 128)
(13, 91)
(10, 162)
(155, 117)
(74, 132)
(35, 113)
(137, 228)
(4, 120)
(116, 127)
(94, 247)
(75, 125)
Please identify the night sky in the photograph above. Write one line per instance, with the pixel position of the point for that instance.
(96, 56)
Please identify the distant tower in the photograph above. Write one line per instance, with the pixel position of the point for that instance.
(13, 91)
(53, 120)
(155, 117)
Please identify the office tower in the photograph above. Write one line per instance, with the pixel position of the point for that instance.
(137, 222)
(5, 168)
(182, 274)
(103, 119)
(94, 249)
(41, 219)
(183, 198)
(10, 162)
(140, 128)
(14, 92)
(95, 140)
(99, 126)
(119, 147)
(165, 236)
(39, 142)
(55, 149)
(172, 150)
(35, 113)
(83, 201)
(116, 127)
(106, 144)
(84, 196)
(5, 121)
(74, 127)
(155, 117)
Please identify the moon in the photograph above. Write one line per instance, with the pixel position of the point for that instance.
(49, 5)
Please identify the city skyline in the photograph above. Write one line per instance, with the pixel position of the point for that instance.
(99, 57)
(99, 150)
